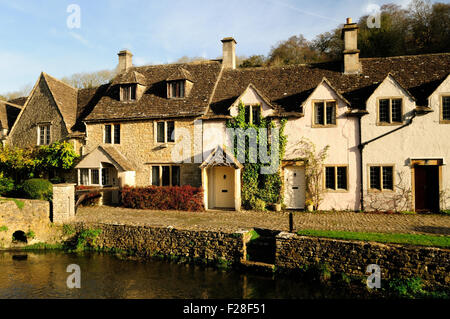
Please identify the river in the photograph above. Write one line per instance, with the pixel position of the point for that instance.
(43, 275)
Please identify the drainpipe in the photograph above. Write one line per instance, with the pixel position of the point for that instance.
(362, 145)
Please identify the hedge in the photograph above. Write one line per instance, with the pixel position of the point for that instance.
(37, 188)
(163, 198)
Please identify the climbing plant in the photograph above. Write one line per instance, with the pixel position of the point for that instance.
(258, 189)
(314, 161)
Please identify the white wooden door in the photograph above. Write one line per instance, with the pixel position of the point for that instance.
(294, 187)
(224, 187)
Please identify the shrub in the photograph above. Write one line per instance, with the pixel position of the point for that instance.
(36, 188)
(163, 198)
(259, 205)
(6, 186)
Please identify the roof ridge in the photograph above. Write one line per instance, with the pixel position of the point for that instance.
(175, 64)
(405, 56)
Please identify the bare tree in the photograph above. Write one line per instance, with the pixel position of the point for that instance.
(89, 80)
(398, 201)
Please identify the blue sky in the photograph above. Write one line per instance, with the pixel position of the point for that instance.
(35, 37)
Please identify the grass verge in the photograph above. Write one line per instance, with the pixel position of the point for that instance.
(410, 239)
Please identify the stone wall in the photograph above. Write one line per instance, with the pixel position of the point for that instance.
(353, 257)
(147, 241)
(138, 144)
(33, 216)
(40, 109)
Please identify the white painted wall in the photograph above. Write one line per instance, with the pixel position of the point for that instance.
(424, 138)
(251, 97)
(342, 140)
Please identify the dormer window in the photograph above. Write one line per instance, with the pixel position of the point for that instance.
(176, 89)
(253, 114)
(128, 92)
(390, 111)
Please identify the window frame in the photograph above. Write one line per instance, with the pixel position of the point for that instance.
(250, 112)
(441, 108)
(336, 189)
(47, 133)
(325, 102)
(160, 174)
(166, 137)
(402, 109)
(130, 88)
(180, 89)
(382, 189)
(112, 133)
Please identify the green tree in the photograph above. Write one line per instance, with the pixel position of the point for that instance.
(295, 50)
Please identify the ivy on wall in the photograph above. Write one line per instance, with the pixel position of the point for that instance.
(258, 189)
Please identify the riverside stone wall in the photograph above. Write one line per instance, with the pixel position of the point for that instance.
(28, 216)
(148, 241)
(353, 257)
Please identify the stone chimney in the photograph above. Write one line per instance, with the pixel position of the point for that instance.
(229, 53)
(125, 60)
(351, 52)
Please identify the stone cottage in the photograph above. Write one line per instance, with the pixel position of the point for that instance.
(386, 121)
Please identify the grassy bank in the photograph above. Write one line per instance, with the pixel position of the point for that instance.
(410, 239)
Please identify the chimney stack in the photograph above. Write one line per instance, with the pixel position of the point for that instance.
(229, 53)
(125, 60)
(351, 52)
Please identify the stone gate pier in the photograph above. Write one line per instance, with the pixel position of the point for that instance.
(63, 203)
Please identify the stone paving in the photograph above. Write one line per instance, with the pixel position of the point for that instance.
(231, 221)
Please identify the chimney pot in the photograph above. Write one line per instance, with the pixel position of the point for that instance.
(125, 60)
(229, 53)
(349, 20)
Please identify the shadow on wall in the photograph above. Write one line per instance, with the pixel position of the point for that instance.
(438, 230)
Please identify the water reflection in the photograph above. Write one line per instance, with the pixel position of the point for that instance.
(43, 275)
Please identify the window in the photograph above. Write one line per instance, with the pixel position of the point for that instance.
(108, 139)
(325, 113)
(165, 175)
(381, 177)
(165, 132)
(155, 175)
(44, 134)
(176, 89)
(336, 177)
(253, 114)
(109, 134)
(171, 131)
(84, 176)
(128, 92)
(445, 109)
(390, 111)
(116, 133)
(94, 177)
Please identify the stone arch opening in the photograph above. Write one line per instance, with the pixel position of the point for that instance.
(19, 236)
